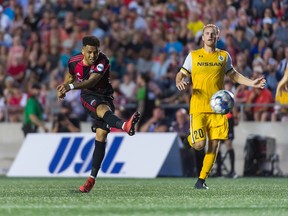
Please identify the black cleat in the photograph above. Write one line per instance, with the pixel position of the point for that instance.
(200, 185)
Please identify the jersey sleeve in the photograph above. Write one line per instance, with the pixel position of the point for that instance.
(187, 66)
(71, 68)
(229, 65)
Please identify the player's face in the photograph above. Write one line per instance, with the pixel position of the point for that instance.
(210, 36)
(91, 54)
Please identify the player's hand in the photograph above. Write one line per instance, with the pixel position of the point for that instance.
(60, 96)
(259, 82)
(181, 85)
(63, 88)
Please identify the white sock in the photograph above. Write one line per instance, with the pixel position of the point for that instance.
(123, 125)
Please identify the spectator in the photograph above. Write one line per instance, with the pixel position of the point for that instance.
(195, 24)
(146, 96)
(52, 105)
(15, 65)
(2, 106)
(242, 65)
(280, 36)
(16, 103)
(181, 124)
(127, 87)
(4, 20)
(270, 70)
(258, 97)
(157, 123)
(33, 113)
(173, 44)
(160, 67)
(241, 43)
(282, 65)
(65, 121)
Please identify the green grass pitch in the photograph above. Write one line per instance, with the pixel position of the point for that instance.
(160, 196)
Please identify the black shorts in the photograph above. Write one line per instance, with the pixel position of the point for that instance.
(90, 103)
(231, 128)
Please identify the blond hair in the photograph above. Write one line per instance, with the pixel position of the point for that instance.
(212, 26)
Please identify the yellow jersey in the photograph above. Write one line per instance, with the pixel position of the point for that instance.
(207, 71)
(283, 99)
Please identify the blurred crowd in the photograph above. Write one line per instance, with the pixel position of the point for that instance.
(147, 42)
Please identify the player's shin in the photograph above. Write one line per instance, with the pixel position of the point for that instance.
(112, 120)
(209, 159)
(98, 155)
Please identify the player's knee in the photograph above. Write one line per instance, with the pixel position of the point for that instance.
(199, 145)
(101, 135)
(102, 109)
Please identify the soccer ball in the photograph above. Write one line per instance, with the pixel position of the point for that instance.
(222, 102)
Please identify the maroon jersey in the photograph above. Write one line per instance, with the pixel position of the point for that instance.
(82, 72)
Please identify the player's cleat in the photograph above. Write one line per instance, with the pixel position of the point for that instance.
(86, 188)
(200, 185)
(129, 126)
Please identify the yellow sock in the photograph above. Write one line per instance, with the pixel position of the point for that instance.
(208, 162)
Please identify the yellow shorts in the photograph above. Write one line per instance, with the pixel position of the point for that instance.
(211, 125)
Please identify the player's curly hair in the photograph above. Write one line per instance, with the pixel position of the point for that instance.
(91, 41)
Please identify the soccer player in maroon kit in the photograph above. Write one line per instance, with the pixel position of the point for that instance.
(89, 71)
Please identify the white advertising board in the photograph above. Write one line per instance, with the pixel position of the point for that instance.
(144, 155)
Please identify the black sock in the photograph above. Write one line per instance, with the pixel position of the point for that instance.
(112, 120)
(98, 155)
(219, 164)
(201, 181)
(232, 159)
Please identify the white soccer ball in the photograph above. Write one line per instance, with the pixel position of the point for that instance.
(222, 102)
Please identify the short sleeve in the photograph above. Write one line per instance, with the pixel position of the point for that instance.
(187, 66)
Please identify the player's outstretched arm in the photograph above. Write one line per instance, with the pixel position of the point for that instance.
(239, 78)
(283, 84)
(180, 81)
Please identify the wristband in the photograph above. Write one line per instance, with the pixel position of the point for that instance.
(71, 86)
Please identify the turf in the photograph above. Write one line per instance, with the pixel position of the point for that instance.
(161, 196)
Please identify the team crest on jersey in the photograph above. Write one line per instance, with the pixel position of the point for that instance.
(93, 103)
(221, 58)
(100, 67)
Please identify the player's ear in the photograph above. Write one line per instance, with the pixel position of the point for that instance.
(82, 51)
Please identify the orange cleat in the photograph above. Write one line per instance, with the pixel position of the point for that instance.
(87, 187)
(129, 126)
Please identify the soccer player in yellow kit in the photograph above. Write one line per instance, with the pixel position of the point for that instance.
(282, 93)
(283, 84)
(207, 68)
